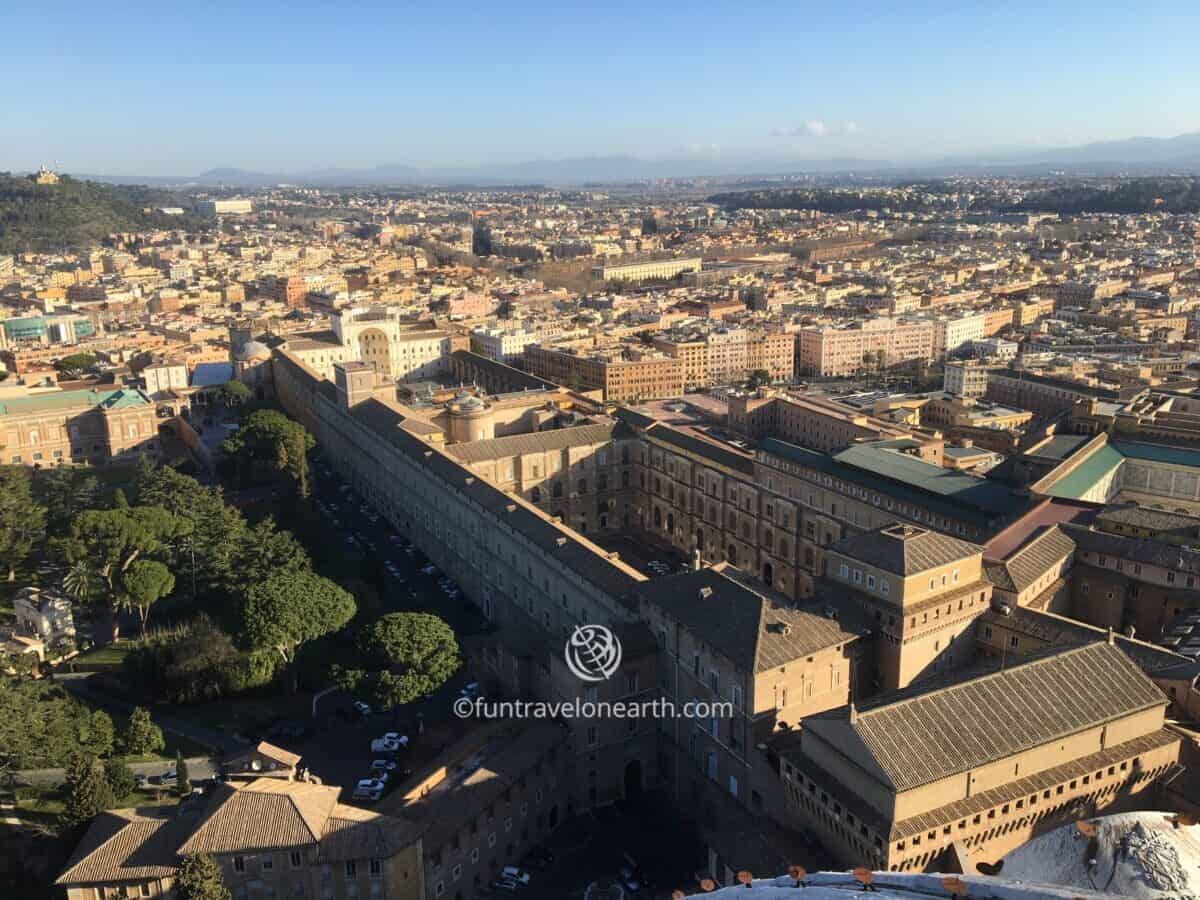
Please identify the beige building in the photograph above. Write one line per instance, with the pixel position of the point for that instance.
(93, 427)
(622, 375)
(977, 766)
(271, 837)
(865, 346)
(646, 271)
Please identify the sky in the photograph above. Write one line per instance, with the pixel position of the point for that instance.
(284, 87)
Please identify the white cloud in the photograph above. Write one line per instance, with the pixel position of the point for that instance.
(813, 128)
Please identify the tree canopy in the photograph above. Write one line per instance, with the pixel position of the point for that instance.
(22, 518)
(88, 792)
(75, 363)
(289, 608)
(145, 582)
(234, 394)
(415, 653)
(199, 878)
(269, 439)
(142, 736)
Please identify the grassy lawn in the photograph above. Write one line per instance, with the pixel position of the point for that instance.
(108, 657)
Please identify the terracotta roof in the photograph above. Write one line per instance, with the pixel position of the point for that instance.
(538, 442)
(1031, 562)
(125, 845)
(931, 733)
(264, 814)
(755, 628)
(905, 549)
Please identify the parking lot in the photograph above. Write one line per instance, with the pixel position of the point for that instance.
(644, 553)
(336, 744)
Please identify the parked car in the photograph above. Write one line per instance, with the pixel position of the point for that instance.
(516, 874)
(397, 738)
(169, 777)
(363, 709)
(382, 765)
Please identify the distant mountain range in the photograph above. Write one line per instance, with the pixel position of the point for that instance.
(1139, 155)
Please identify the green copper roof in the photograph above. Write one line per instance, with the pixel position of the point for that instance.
(1084, 477)
(120, 398)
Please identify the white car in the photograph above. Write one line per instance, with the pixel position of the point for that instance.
(396, 737)
(382, 765)
(361, 708)
(515, 874)
(369, 784)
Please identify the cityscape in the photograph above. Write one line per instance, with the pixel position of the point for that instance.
(817, 518)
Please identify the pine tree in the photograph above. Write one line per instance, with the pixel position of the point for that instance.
(199, 878)
(183, 784)
(88, 792)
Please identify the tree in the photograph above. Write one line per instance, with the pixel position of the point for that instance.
(146, 581)
(80, 582)
(111, 540)
(269, 439)
(265, 551)
(120, 779)
(183, 783)
(759, 378)
(416, 653)
(22, 519)
(142, 736)
(98, 735)
(234, 394)
(65, 491)
(88, 792)
(290, 608)
(208, 551)
(199, 878)
(75, 363)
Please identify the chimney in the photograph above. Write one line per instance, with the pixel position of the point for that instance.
(853, 713)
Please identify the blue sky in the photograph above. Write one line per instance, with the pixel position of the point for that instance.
(179, 88)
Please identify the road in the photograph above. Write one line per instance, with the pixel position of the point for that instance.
(78, 683)
(200, 768)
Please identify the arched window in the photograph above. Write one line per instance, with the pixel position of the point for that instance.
(625, 478)
(657, 517)
(583, 485)
(670, 523)
(731, 554)
(557, 489)
(625, 455)
(602, 483)
(768, 573)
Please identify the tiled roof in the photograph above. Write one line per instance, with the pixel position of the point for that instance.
(755, 630)
(585, 559)
(125, 845)
(905, 549)
(267, 813)
(1033, 560)
(1137, 549)
(538, 442)
(935, 732)
(1145, 517)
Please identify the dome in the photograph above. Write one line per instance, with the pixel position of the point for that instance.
(254, 350)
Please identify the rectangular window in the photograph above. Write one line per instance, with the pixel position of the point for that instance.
(351, 869)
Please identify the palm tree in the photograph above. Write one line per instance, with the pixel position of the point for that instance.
(80, 581)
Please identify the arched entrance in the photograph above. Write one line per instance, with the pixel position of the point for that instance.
(768, 571)
(375, 351)
(633, 779)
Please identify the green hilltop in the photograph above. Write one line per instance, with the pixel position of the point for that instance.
(74, 214)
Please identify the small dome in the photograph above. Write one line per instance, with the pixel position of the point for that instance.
(254, 350)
